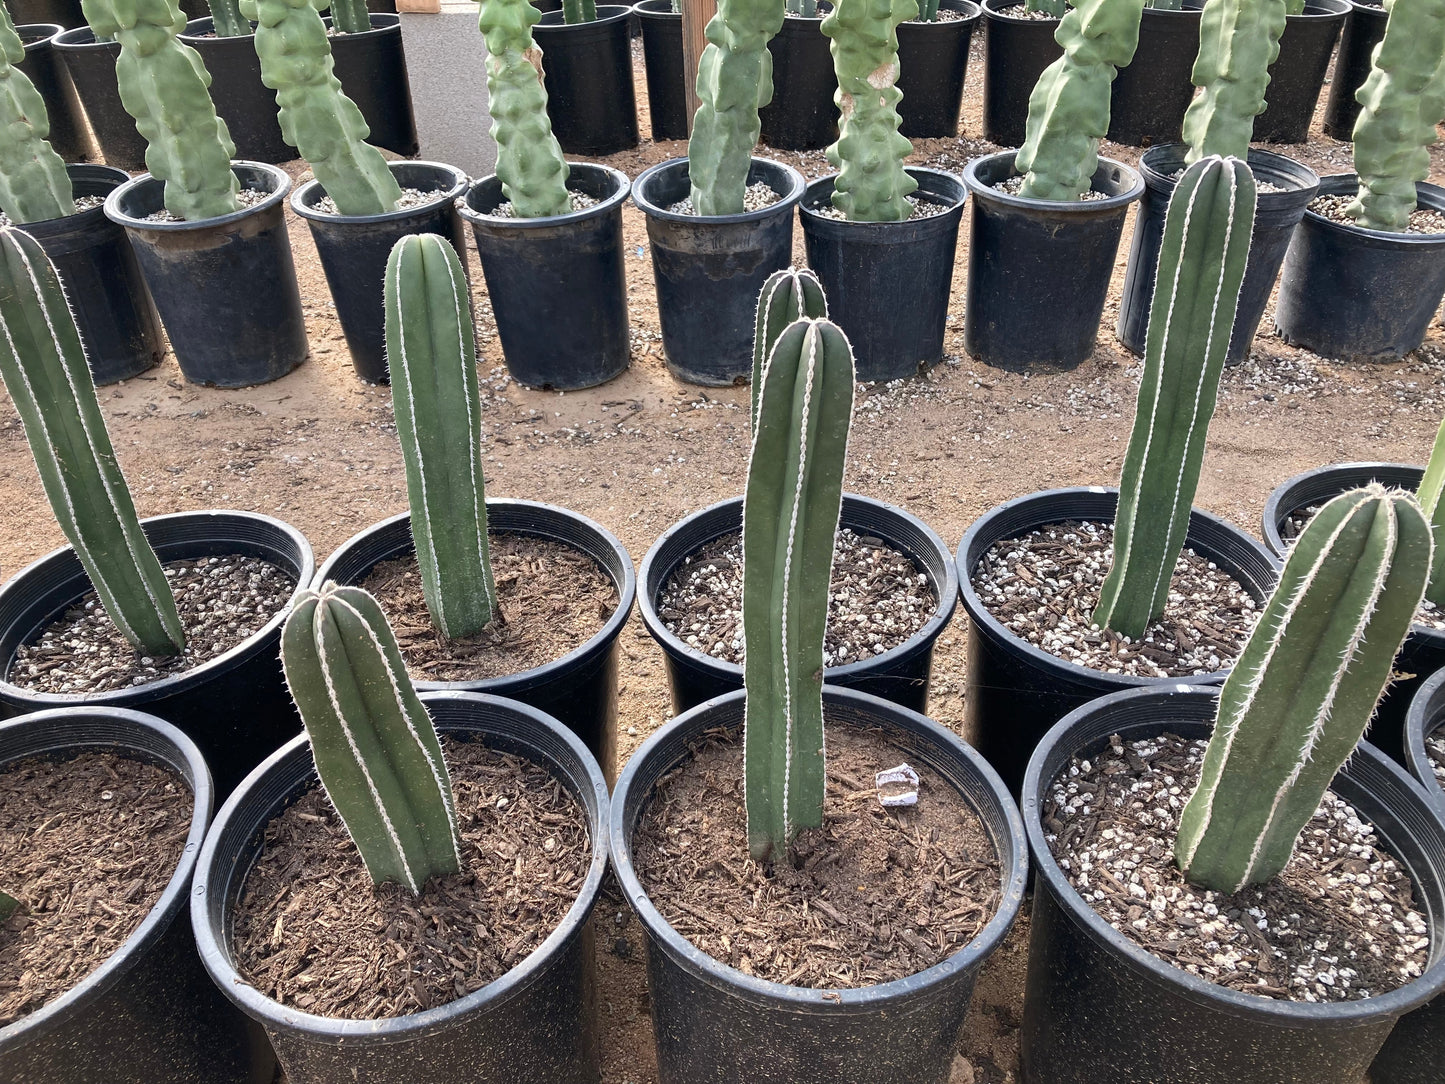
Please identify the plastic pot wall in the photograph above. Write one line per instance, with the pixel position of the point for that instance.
(46, 70)
(932, 64)
(662, 58)
(65, 13)
(1148, 97)
(1016, 54)
(588, 71)
(246, 104)
(1297, 74)
(1364, 27)
(371, 67)
(801, 115)
(91, 66)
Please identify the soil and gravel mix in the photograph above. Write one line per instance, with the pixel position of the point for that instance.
(1435, 750)
(313, 933)
(876, 894)
(755, 198)
(1045, 585)
(552, 599)
(1338, 924)
(1422, 219)
(1012, 185)
(82, 203)
(922, 208)
(246, 197)
(944, 15)
(221, 600)
(877, 599)
(87, 846)
(580, 202)
(410, 198)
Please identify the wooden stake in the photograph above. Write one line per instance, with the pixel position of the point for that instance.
(695, 17)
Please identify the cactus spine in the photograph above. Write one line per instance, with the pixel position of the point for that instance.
(578, 11)
(227, 20)
(1201, 266)
(433, 359)
(33, 183)
(529, 160)
(350, 16)
(1431, 486)
(1238, 41)
(44, 367)
(375, 748)
(1305, 686)
(786, 296)
(1069, 106)
(790, 520)
(871, 185)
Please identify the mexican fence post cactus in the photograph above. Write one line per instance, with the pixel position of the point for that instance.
(1069, 106)
(790, 520)
(871, 185)
(350, 16)
(1238, 41)
(1431, 486)
(375, 748)
(433, 360)
(227, 19)
(44, 368)
(33, 183)
(1401, 102)
(1201, 266)
(529, 160)
(578, 11)
(786, 296)
(1298, 700)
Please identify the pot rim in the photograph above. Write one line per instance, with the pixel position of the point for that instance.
(971, 10)
(1264, 159)
(191, 37)
(1418, 718)
(646, 12)
(54, 28)
(597, 210)
(84, 39)
(381, 22)
(615, 13)
(998, 9)
(274, 199)
(1095, 207)
(1340, 184)
(918, 173)
(1330, 9)
(90, 215)
(653, 210)
(314, 187)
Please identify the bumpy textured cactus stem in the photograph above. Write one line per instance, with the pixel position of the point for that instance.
(1238, 41)
(1304, 688)
(578, 11)
(790, 520)
(227, 19)
(1401, 102)
(871, 185)
(1431, 487)
(376, 751)
(44, 368)
(317, 118)
(529, 160)
(433, 360)
(1069, 106)
(786, 296)
(1201, 266)
(33, 183)
(734, 80)
(351, 16)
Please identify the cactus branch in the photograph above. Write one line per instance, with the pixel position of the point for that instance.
(33, 183)
(227, 19)
(578, 11)
(350, 16)
(1238, 41)
(786, 296)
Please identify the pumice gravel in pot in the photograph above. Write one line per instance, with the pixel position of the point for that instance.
(121, 994)
(932, 66)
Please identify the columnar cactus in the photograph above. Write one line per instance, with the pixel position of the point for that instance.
(433, 360)
(529, 160)
(227, 19)
(1304, 688)
(871, 185)
(375, 748)
(43, 365)
(1069, 106)
(790, 520)
(1401, 102)
(164, 86)
(1431, 486)
(1238, 41)
(350, 16)
(578, 11)
(786, 296)
(1201, 266)
(33, 183)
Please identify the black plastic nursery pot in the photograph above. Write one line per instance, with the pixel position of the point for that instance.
(580, 688)
(887, 282)
(535, 1023)
(1016, 54)
(557, 284)
(1020, 313)
(226, 286)
(148, 1014)
(354, 251)
(932, 63)
(1149, 96)
(709, 271)
(1364, 28)
(801, 115)
(1347, 292)
(113, 310)
(45, 69)
(899, 675)
(716, 1024)
(371, 67)
(246, 104)
(1017, 691)
(1098, 1008)
(588, 73)
(1296, 76)
(65, 13)
(662, 58)
(91, 66)
(1275, 218)
(1425, 719)
(234, 707)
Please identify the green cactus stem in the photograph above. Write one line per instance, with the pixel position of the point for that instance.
(1069, 106)
(1238, 41)
(928, 11)
(44, 368)
(790, 520)
(1166, 5)
(578, 11)
(375, 748)
(432, 355)
(529, 160)
(1401, 102)
(350, 16)
(871, 185)
(1201, 266)
(1297, 702)
(785, 297)
(734, 81)
(227, 20)
(1056, 8)
(1431, 486)
(33, 183)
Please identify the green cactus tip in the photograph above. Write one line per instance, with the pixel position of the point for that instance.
(785, 297)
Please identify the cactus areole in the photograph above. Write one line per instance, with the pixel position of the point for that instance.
(33, 183)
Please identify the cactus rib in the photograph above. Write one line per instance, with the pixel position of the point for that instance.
(227, 19)
(785, 297)
(350, 16)
(1238, 41)
(33, 183)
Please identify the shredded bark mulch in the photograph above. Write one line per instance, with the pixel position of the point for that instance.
(222, 601)
(87, 846)
(1338, 924)
(1045, 585)
(877, 599)
(553, 599)
(1435, 750)
(1422, 219)
(874, 895)
(312, 931)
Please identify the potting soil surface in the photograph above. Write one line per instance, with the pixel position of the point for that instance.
(246, 197)
(410, 198)
(580, 201)
(755, 198)
(1422, 219)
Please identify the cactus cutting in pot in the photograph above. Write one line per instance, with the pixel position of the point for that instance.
(33, 183)
(1238, 41)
